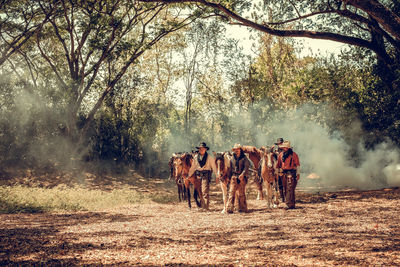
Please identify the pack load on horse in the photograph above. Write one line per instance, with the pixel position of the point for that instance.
(289, 162)
(202, 167)
(240, 172)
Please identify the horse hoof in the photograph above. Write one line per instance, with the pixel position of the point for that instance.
(223, 211)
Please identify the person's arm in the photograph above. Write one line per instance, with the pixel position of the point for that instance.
(297, 162)
(279, 163)
(245, 171)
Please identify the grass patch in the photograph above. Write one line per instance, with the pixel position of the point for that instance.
(22, 199)
(164, 198)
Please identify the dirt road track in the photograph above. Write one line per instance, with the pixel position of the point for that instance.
(344, 228)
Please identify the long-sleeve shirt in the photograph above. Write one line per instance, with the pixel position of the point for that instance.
(291, 162)
(209, 166)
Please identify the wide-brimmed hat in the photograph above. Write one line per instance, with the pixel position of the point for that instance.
(237, 146)
(202, 144)
(279, 141)
(285, 144)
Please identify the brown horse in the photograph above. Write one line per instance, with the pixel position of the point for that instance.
(255, 155)
(183, 164)
(176, 176)
(224, 171)
(268, 174)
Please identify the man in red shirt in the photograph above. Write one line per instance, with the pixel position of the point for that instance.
(289, 162)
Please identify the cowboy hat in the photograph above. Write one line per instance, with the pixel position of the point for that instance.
(279, 141)
(237, 146)
(202, 144)
(285, 144)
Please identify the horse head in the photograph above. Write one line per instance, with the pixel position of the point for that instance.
(222, 160)
(184, 162)
(177, 167)
(268, 156)
(268, 163)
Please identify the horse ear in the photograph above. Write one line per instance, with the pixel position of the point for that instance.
(214, 153)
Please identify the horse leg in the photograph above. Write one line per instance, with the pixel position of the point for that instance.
(260, 193)
(196, 197)
(269, 194)
(275, 191)
(184, 194)
(179, 191)
(224, 189)
(186, 185)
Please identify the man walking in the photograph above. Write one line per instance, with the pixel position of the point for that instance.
(203, 165)
(289, 162)
(240, 171)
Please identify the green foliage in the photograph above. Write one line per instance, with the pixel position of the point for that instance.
(137, 109)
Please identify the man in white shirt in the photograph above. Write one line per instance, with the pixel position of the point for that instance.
(203, 165)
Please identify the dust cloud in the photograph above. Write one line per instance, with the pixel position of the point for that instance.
(338, 157)
(332, 158)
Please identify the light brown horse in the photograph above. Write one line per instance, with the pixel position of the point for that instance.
(224, 171)
(183, 164)
(269, 175)
(176, 176)
(255, 155)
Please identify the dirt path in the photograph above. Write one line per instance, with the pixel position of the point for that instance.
(345, 228)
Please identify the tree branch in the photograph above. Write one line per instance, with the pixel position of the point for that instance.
(385, 17)
(286, 33)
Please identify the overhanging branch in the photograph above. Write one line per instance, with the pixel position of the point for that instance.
(285, 33)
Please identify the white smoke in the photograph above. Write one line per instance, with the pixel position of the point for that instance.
(339, 159)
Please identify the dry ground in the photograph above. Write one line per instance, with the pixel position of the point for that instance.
(350, 228)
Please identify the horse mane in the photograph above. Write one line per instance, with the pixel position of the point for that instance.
(186, 159)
